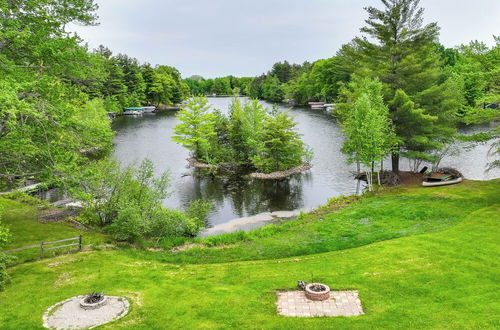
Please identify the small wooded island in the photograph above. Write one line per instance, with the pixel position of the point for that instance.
(250, 138)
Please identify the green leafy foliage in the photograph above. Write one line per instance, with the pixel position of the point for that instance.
(245, 129)
(196, 131)
(128, 203)
(229, 85)
(249, 137)
(403, 56)
(281, 147)
(55, 93)
(366, 123)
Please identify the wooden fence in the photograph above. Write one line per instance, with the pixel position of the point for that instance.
(43, 248)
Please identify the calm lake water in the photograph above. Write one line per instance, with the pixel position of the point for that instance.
(149, 136)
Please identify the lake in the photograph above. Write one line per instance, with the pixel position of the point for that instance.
(149, 136)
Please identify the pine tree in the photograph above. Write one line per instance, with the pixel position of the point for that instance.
(404, 58)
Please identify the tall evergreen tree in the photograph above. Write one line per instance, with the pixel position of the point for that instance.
(403, 56)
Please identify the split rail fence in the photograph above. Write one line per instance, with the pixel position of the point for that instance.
(46, 246)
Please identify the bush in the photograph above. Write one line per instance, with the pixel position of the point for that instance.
(128, 203)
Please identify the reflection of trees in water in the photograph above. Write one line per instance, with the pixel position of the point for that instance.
(203, 188)
(249, 196)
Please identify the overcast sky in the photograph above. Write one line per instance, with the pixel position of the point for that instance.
(244, 38)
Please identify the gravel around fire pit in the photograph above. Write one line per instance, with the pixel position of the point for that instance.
(68, 314)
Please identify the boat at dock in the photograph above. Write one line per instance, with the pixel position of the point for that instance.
(133, 111)
(329, 107)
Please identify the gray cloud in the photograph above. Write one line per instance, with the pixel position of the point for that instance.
(244, 38)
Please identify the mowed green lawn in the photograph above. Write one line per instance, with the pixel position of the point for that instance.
(445, 277)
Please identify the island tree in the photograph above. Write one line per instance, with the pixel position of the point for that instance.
(197, 129)
(249, 137)
(281, 147)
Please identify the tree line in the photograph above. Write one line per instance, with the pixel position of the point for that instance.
(229, 85)
(124, 82)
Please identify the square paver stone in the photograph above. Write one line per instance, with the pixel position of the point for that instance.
(341, 303)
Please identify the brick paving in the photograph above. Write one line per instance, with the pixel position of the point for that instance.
(341, 303)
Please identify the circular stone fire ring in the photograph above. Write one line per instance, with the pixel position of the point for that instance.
(95, 305)
(69, 314)
(312, 292)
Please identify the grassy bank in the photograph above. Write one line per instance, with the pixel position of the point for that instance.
(444, 277)
(346, 223)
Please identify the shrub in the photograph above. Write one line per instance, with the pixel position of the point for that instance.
(128, 203)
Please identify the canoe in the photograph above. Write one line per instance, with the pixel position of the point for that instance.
(442, 183)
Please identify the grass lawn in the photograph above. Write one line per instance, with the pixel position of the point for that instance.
(26, 230)
(445, 277)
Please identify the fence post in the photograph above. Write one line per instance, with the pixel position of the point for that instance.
(41, 250)
(80, 242)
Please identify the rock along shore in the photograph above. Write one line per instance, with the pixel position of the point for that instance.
(282, 174)
(262, 176)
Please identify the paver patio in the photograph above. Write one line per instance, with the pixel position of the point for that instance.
(341, 303)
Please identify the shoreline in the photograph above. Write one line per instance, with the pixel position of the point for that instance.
(257, 175)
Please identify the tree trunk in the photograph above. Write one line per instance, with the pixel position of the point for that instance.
(395, 162)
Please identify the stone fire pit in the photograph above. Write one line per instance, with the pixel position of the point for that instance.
(93, 301)
(317, 291)
(77, 313)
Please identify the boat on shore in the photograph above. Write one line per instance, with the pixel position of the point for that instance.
(440, 179)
